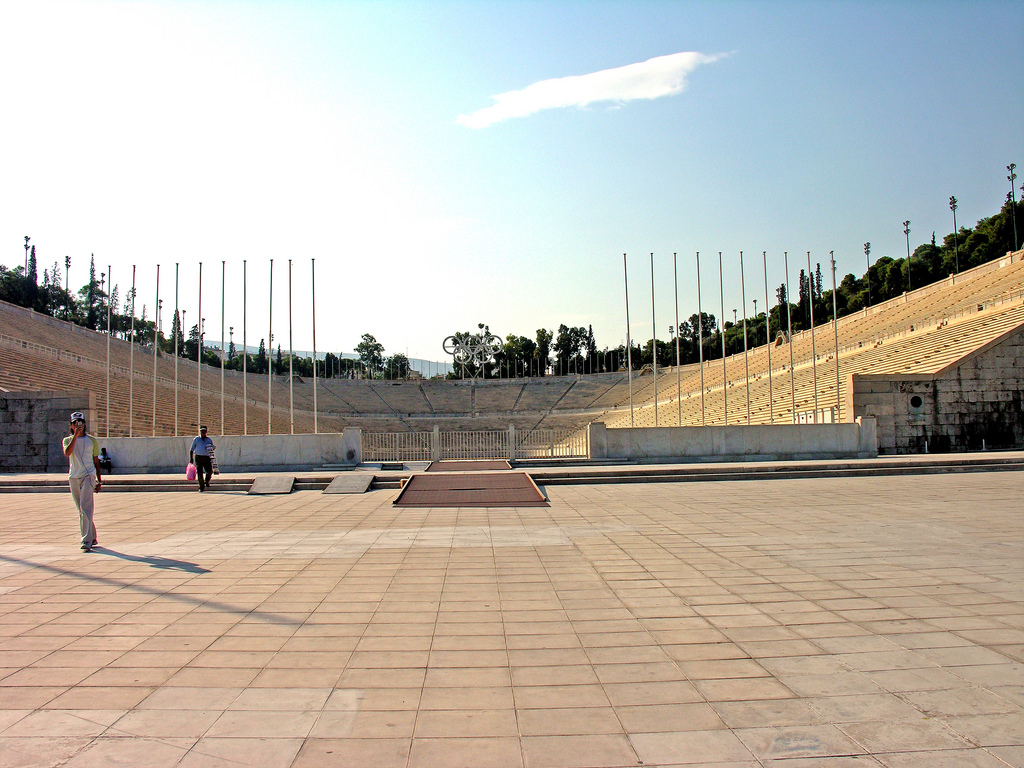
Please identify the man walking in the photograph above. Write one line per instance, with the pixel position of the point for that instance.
(84, 476)
(199, 454)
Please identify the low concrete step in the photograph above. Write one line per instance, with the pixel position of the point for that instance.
(753, 472)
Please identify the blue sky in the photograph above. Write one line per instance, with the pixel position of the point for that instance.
(360, 134)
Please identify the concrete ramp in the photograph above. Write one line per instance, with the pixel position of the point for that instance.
(478, 489)
(356, 483)
(272, 484)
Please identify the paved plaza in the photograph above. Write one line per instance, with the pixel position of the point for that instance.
(822, 622)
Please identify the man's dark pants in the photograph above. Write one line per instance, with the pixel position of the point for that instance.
(203, 467)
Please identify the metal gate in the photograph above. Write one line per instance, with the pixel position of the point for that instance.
(508, 443)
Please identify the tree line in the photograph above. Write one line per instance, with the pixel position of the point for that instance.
(567, 351)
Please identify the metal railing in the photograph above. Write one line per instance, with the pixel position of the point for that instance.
(508, 443)
(824, 416)
(553, 444)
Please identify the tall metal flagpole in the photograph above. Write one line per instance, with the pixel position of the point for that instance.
(245, 351)
(199, 355)
(654, 345)
(814, 353)
(177, 332)
(312, 268)
(675, 286)
(700, 343)
(768, 338)
(835, 325)
(629, 342)
(725, 372)
(291, 354)
(789, 330)
(156, 341)
(746, 358)
(223, 349)
(131, 362)
(110, 282)
(270, 345)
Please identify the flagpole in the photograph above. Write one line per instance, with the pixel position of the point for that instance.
(700, 343)
(768, 339)
(725, 371)
(814, 352)
(270, 345)
(199, 355)
(835, 324)
(110, 282)
(177, 322)
(156, 341)
(223, 349)
(131, 362)
(789, 330)
(629, 343)
(746, 358)
(654, 345)
(245, 350)
(312, 268)
(291, 354)
(675, 286)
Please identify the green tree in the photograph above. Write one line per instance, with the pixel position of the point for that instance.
(91, 295)
(261, 357)
(569, 345)
(14, 287)
(396, 367)
(371, 355)
(191, 345)
(331, 368)
(469, 364)
(33, 275)
(517, 357)
(544, 338)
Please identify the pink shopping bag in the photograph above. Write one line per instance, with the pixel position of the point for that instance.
(190, 471)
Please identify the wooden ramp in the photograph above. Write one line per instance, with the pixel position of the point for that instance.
(486, 465)
(476, 489)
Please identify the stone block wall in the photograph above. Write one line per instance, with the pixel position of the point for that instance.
(760, 442)
(32, 425)
(237, 453)
(974, 405)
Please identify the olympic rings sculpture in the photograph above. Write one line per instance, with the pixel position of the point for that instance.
(478, 349)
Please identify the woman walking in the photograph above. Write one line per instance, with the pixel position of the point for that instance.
(84, 476)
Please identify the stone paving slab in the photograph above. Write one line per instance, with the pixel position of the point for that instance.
(827, 622)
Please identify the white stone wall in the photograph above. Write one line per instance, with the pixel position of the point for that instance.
(236, 453)
(761, 442)
(977, 404)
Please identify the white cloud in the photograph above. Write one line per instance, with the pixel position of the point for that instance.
(651, 79)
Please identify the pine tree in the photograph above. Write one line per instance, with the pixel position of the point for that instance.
(32, 274)
(803, 304)
(115, 320)
(90, 319)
